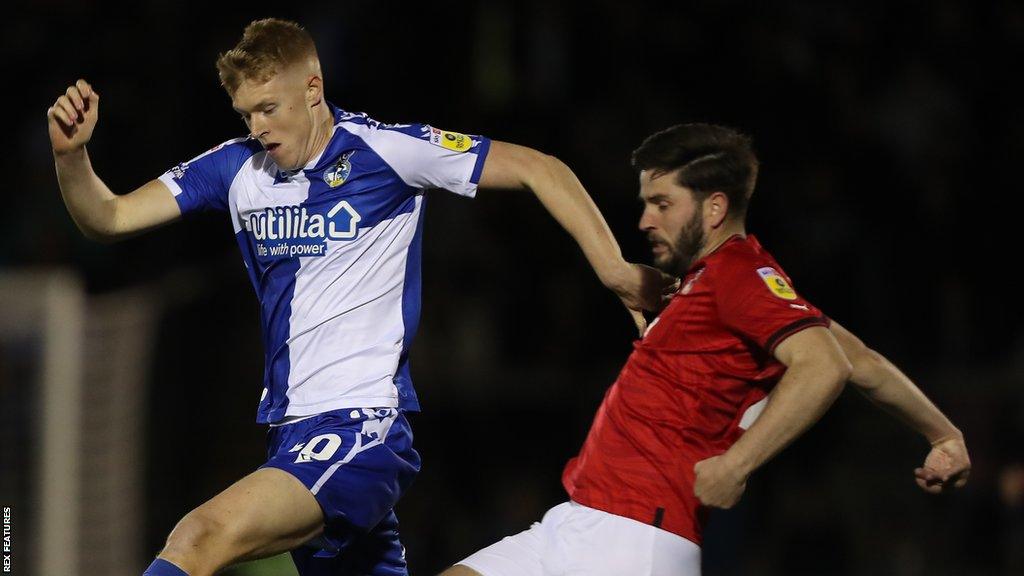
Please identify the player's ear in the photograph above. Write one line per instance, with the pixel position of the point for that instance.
(716, 208)
(314, 90)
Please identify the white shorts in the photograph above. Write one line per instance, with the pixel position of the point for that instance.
(575, 539)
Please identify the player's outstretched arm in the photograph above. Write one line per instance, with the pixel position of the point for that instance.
(816, 371)
(510, 166)
(947, 464)
(99, 213)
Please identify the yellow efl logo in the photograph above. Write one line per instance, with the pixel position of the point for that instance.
(776, 283)
(451, 140)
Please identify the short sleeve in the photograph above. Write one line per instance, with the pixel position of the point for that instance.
(202, 183)
(427, 157)
(757, 301)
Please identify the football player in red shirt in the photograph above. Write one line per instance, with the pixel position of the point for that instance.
(735, 367)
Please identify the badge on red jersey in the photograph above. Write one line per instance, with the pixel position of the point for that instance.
(776, 283)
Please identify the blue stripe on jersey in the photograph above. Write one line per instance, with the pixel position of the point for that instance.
(257, 275)
(481, 155)
(276, 308)
(411, 296)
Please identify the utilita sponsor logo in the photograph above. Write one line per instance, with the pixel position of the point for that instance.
(292, 231)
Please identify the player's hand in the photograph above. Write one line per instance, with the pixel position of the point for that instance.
(642, 288)
(717, 483)
(947, 466)
(72, 118)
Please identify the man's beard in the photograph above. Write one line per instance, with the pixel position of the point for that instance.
(690, 241)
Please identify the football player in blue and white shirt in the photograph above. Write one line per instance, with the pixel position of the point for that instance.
(327, 210)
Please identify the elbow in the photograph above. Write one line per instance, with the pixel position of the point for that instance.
(538, 158)
(113, 228)
(96, 233)
(541, 168)
(99, 235)
(835, 370)
(99, 224)
(864, 363)
(553, 162)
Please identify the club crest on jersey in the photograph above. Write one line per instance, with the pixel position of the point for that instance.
(776, 283)
(453, 141)
(298, 231)
(336, 175)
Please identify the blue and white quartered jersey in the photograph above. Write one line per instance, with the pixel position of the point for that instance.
(333, 251)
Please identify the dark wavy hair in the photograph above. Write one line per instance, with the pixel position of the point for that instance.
(708, 158)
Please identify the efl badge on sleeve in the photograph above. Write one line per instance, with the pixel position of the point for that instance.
(178, 172)
(336, 175)
(451, 140)
(776, 283)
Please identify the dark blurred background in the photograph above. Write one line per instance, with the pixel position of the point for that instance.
(890, 137)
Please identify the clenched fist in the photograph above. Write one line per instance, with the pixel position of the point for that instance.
(947, 466)
(717, 483)
(72, 118)
(642, 288)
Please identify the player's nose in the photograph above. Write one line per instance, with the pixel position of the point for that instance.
(646, 221)
(257, 127)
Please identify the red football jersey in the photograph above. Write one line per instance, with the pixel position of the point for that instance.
(684, 390)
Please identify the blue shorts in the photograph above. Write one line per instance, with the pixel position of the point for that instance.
(357, 463)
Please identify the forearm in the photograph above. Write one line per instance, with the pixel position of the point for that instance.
(89, 201)
(564, 197)
(886, 386)
(799, 400)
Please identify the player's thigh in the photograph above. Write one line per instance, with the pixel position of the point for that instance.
(264, 513)
(596, 543)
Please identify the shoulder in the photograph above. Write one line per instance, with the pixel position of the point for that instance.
(225, 158)
(736, 258)
(743, 266)
(375, 132)
(230, 150)
(361, 122)
(214, 169)
(390, 141)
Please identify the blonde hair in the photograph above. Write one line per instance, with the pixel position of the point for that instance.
(266, 47)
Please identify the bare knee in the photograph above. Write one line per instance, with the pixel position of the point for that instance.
(200, 544)
(267, 512)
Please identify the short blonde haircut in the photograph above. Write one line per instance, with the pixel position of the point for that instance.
(266, 47)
